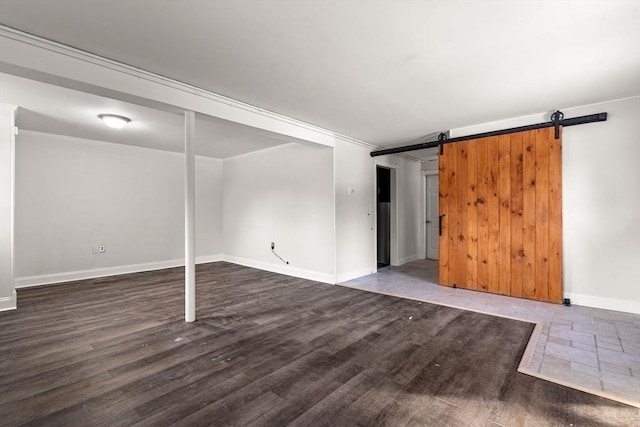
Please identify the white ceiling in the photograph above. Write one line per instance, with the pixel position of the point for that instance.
(385, 72)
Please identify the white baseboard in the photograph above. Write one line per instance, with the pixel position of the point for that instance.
(205, 259)
(282, 269)
(627, 306)
(9, 303)
(345, 277)
(407, 259)
(69, 276)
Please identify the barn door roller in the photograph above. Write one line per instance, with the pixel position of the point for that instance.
(557, 120)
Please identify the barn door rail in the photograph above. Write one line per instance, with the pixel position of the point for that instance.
(557, 120)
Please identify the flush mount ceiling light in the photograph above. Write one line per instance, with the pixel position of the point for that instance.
(114, 121)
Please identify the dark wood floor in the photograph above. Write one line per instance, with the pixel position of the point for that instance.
(268, 350)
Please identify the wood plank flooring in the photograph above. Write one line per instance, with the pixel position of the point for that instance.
(267, 349)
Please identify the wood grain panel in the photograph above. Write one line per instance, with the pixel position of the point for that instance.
(483, 215)
(555, 220)
(453, 215)
(529, 216)
(493, 207)
(503, 198)
(472, 216)
(443, 207)
(462, 224)
(542, 214)
(517, 250)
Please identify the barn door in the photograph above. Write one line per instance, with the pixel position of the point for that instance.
(501, 215)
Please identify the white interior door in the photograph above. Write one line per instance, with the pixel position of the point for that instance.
(433, 225)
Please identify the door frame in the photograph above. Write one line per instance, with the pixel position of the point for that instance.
(423, 204)
(393, 243)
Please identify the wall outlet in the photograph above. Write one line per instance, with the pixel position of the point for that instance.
(273, 245)
(102, 248)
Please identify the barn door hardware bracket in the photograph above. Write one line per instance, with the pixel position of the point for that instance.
(567, 302)
(441, 139)
(557, 118)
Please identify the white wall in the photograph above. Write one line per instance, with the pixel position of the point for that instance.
(74, 194)
(7, 150)
(283, 195)
(601, 203)
(209, 191)
(355, 213)
(410, 211)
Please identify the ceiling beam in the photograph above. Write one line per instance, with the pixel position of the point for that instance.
(22, 52)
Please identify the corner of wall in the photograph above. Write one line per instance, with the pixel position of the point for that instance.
(282, 269)
(10, 302)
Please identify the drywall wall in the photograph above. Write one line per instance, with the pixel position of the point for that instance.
(409, 225)
(355, 213)
(601, 203)
(283, 195)
(74, 194)
(209, 244)
(7, 134)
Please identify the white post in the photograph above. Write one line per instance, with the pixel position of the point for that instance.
(8, 299)
(189, 219)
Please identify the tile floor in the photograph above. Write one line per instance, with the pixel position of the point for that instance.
(589, 349)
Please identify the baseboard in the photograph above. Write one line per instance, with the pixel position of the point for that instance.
(9, 303)
(407, 259)
(345, 277)
(627, 306)
(282, 269)
(208, 258)
(69, 276)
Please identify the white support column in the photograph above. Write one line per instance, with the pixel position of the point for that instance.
(189, 219)
(7, 184)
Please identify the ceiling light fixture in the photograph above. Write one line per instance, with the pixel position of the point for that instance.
(114, 121)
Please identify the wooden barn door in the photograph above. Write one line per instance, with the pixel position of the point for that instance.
(501, 215)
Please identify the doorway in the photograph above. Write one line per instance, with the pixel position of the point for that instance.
(383, 215)
(432, 217)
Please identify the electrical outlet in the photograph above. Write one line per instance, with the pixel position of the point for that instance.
(273, 245)
(102, 248)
